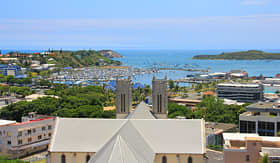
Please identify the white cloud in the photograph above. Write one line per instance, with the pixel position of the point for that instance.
(254, 2)
(139, 32)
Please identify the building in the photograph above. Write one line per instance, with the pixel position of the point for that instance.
(21, 139)
(249, 148)
(10, 70)
(214, 132)
(160, 97)
(240, 92)
(123, 97)
(262, 118)
(139, 136)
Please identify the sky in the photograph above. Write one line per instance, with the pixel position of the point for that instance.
(140, 24)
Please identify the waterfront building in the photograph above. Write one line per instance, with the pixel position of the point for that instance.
(262, 118)
(240, 92)
(249, 148)
(29, 136)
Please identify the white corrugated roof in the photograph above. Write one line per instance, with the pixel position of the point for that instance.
(83, 134)
(237, 136)
(6, 122)
(161, 135)
(239, 84)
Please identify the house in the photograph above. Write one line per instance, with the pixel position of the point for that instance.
(249, 148)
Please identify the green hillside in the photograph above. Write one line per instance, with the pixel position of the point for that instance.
(242, 55)
(82, 58)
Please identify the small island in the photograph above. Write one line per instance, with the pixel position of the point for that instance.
(241, 55)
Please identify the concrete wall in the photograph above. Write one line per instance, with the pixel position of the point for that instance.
(160, 88)
(80, 157)
(239, 155)
(179, 158)
(71, 157)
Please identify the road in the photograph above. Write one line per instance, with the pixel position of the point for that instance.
(214, 156)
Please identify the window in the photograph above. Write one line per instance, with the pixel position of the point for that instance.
(49, 127)
(190, 160)
(29, 140)
(87, 158)
(164, 159)
(20, 133)
(29, 132)
(178, 158)
(19, 142)
(63, 159)
(9, 142)
(34, 130)
(247, 158)
(40, 137)
(0, 133)
(50, 134)
(43, 128)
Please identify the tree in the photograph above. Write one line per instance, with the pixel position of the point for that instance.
(171, 84)
(264, 159)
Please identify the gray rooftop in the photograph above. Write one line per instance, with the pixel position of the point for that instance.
(143, 136)
(142, 111)
(272, 152)
(263, 107)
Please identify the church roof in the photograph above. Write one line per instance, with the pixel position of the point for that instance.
(131, 135)
(142, 111)
(126, 146)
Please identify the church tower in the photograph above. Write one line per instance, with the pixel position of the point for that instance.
(160, 97)
(123, 97)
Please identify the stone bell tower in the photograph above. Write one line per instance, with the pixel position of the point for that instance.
(123, 97)
(160, 97)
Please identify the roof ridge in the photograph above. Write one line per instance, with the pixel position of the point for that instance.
(142, 135)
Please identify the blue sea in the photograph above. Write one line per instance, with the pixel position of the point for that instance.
(181, 58)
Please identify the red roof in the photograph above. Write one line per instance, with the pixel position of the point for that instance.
(208, 93)
(36, 120)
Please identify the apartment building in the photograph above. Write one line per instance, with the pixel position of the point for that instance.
(262, 118)
(240, 92)
(21, 139)
(249, 148)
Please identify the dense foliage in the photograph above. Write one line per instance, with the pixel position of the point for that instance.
(82, 58)
(7, 160)
(8, 90)
(139, 94)
(72, 102)
(242, 55)
(211, 109)
(12, 80)
(63, 59)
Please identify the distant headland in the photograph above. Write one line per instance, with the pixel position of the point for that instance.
(241, 55)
